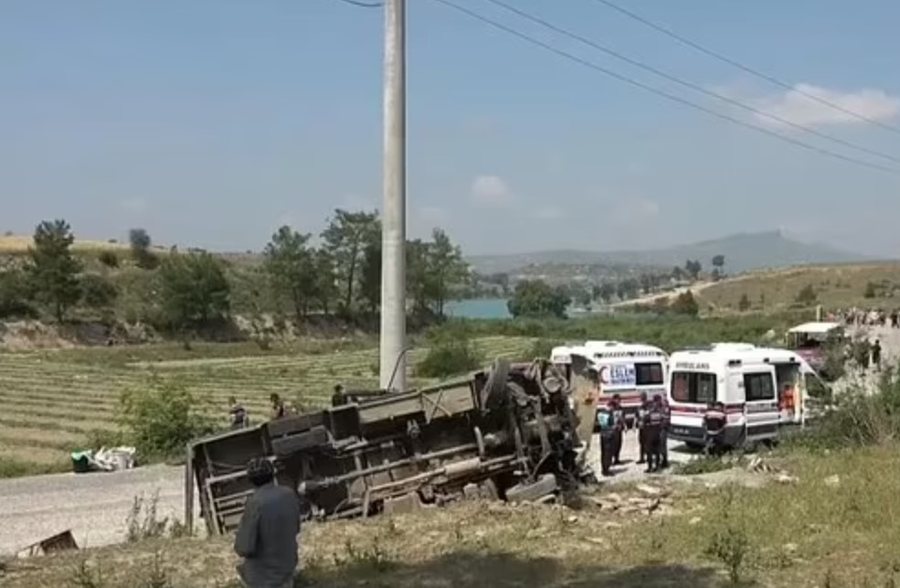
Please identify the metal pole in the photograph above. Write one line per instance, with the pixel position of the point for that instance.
(393, 249)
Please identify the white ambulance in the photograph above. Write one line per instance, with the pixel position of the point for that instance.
(626, 369)
(762, 389)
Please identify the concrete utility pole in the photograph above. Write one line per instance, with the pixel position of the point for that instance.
(393, 237)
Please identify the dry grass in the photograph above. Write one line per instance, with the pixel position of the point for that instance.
(19, 244)
(810, 533)
(836, 286)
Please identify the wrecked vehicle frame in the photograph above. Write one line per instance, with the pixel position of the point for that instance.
(509, 432)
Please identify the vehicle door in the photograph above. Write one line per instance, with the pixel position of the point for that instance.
(761, 403)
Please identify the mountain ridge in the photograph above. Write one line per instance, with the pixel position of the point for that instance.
(742, 251)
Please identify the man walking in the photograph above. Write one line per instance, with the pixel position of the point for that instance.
(267, 535)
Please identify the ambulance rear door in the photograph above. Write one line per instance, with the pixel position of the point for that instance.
(761, 409)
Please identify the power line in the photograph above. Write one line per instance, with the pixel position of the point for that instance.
(662, 93)
(692, 85)
(364, 4)
(746, 68)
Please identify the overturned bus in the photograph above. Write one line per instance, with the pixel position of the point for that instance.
(509, 432)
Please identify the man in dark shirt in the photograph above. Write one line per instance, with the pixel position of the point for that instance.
(278, 410)
(237, 413)
(615, 405)
(653, 425)
(642, 433)
(876, 355)
(267, 535)
(714, 428)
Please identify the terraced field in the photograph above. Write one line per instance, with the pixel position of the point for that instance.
(51, 401)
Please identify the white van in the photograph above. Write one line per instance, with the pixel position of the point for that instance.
(762, 390)
(626, 369)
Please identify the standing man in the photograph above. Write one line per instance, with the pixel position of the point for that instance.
(619, 418)
(714, 428)
(876, 355)
(237, 414)
(653, 424)
(606, 423)
(267, 535)
(278, 410)
(642, 432)
(664, 437)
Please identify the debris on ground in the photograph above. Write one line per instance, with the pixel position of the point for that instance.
(113, 459)
(832, 481)
(60, 542)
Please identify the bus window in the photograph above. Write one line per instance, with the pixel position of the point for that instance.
(693, 387)
(648, 374)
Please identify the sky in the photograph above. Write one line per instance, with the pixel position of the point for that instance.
(212, 122)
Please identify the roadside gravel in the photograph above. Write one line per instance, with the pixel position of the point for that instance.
(94, 506)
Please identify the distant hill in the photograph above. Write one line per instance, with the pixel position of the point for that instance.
(743, 252)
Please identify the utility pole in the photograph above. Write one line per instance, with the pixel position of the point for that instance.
(393, 236)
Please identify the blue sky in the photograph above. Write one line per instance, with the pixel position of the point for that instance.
(211, 122)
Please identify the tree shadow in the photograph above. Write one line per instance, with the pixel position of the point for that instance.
(477, 570)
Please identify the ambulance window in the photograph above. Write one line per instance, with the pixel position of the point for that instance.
(693, 387)
(759, 387)
(648, 374)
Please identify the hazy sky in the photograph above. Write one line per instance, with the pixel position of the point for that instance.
(211, 122)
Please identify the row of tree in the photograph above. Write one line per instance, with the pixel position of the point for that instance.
(339, 274)
(343, 273)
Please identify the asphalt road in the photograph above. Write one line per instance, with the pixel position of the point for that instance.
(93, 506)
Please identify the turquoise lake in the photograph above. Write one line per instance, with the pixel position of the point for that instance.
(478, 308)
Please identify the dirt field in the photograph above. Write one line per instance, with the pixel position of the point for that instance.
(52, 400)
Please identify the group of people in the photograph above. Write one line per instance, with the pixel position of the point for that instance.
(652, 424)
(239, 418)
(861, 317)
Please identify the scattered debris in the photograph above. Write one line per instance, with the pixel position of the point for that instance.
(785, 478)
(105, 460)
(60, 542)
(832, 481)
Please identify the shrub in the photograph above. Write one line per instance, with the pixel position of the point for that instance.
(450, 356)
(14, 295)
(807, 296)
(541, 348)
(744, 304)
(97, 291)
(685, 304)
(143, 520)
(730, 543)
(859, 417)
(871, 290)
(162, 420)
(109, 259)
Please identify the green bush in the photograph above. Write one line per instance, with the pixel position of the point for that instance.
(859, 418)
(109, 259)
(161, 420)
(97, 291)
(449, 356)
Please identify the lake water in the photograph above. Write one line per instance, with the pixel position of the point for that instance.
(478, 308)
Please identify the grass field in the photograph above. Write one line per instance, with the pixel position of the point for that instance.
(836, 286)
(838, 526)
(53, 400)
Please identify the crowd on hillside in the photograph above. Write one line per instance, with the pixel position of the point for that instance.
(859, 317)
